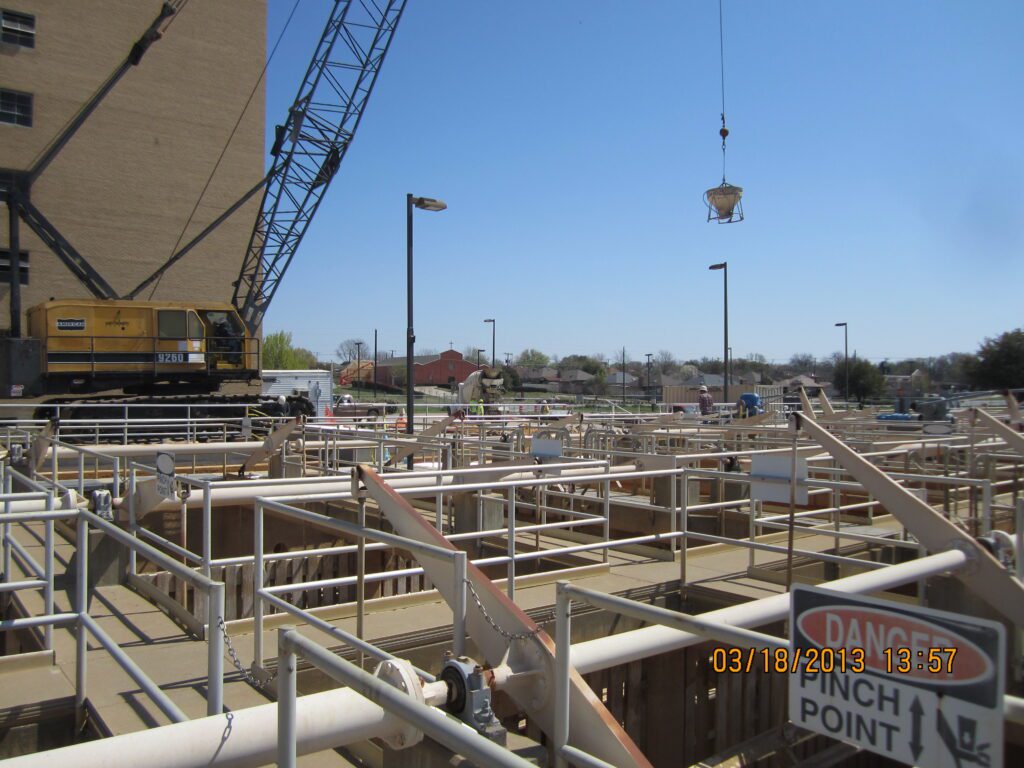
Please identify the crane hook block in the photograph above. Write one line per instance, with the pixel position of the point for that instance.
(723, 132)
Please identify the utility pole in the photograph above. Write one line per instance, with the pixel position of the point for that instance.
(649, 356)
(375, 365)
(846, 359)
(623, 377)
(359, 365)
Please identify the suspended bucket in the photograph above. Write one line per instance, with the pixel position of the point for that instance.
(724, 204)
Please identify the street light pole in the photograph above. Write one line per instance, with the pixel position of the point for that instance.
(623, 376)
(724, 266)
(359, 364)
(374, 365)
(649, 356)
(846, 358)
(425, 204)
(494, 325)
(478, 356)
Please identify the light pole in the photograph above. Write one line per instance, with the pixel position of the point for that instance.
(424, 204)
(478, 356)
(359, 363)
(724, 266)
(494, 326)
(846, 358)
(375, 365)
(649, 356)
(623, 377)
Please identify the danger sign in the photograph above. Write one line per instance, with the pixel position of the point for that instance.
(921, 686)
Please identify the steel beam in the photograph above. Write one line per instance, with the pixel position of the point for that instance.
(986, 576)
(521, 654)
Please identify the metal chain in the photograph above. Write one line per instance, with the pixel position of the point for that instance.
(248, 676)
(503, 632)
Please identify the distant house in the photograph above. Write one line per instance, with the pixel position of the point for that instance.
(443, 370)
(614, 379)
(573, 381)
(538, 379)
(791, 386)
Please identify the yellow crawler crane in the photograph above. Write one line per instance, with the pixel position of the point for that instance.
(89, 345)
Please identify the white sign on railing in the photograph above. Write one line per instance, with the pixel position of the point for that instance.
(165, 475)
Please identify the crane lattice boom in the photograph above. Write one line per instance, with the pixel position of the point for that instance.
(311, 144)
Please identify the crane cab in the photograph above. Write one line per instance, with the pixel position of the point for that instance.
(89, 345)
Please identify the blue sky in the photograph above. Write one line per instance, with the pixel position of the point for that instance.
(877, 142)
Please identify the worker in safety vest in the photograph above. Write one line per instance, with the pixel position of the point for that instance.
(476, 408)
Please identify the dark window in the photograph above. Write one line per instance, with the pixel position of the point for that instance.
(5, 267)
(15, 108)
(18, 29)
(171, 324)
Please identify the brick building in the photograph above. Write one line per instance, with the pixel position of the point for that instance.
(122, 190)
(442, 370)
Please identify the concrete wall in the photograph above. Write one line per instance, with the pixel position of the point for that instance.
(122, 190)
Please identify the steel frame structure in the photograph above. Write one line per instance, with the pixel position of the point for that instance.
(311, 144)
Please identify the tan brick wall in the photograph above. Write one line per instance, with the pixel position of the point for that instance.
(122, 190)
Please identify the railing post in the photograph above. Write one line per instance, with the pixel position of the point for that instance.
(606, 511)
(7, 526)
(563, 604)
(986, 505)
(257, 585)
(83, 551)
(439, 500)
(215, 649)
(286, 704)
(1020, 538)
(510, 587)
(81, 473)
(116, 480)
(360, 562)
(207, 524)
(684, 522)
(81, 633)
(459, 606)
(132, 527)
(673, 502)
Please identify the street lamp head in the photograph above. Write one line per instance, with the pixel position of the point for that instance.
(429, 204)
(719, 266)
(840, 325)
(489, 320)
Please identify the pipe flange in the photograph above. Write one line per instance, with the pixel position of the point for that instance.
(400, 674)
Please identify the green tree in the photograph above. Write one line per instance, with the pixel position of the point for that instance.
(511, 382)
(866, 381)
(280, 354)
(585, 363)
(532, 358)
(1000, 362)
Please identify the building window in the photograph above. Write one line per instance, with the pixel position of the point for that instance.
(18, 29)
(15, 108)
(5, 267)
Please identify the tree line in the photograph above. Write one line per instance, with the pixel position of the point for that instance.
(997, 364)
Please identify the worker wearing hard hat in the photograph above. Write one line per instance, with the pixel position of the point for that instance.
(476, 408)
(705, 402)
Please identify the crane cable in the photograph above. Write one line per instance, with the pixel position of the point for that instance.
(724, 132)
(231, 136)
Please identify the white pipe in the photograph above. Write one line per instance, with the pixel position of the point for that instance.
(242, 738)
(180, 449)
(238, 494)
(594, 655)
